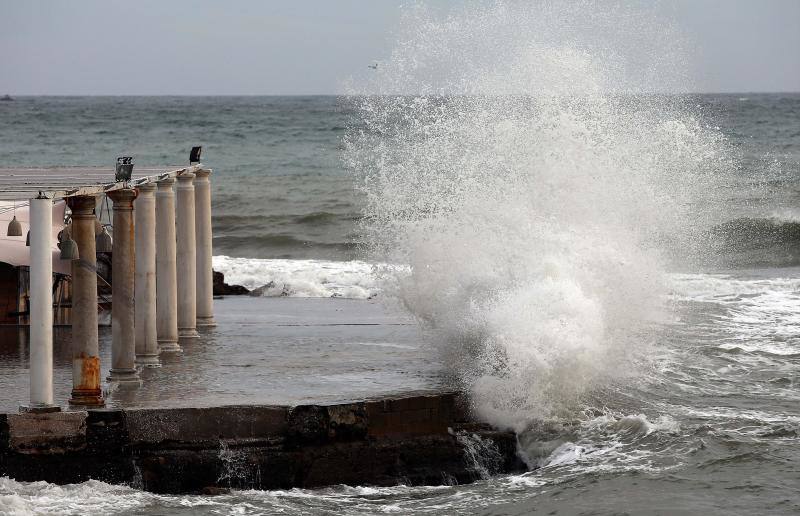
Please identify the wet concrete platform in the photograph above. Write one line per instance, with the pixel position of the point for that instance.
(277, 351)
(283, 393)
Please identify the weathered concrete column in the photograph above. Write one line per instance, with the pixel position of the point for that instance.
(187, 257)
(166, 271)
(41, 305)
(85, 354)
(145, 277)
(123, 351)
(205, 273)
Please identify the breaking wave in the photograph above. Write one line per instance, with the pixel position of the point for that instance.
(758, 242)
(300, 278)
(533, 186)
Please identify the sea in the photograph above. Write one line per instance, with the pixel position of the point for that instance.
(611, 271)
(711, 428)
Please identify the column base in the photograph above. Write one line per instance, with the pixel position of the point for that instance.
(169, 346)
(87, 398)
(188, 333)
(39, 408)
(124, 377)
(206, 322)
(148, 360)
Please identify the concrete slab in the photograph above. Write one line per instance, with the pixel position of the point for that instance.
(264, 351)
(410, 440)
(56, 432)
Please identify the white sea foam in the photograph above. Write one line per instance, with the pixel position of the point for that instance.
(92, 497)
(533, 211)
(609, 442)
(300, 278)
(759, 314)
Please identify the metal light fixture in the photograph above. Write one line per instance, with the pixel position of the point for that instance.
(103, 242)
(124, 169)
(28, 239)
(194, 155)
(69, 249)
(14, 227)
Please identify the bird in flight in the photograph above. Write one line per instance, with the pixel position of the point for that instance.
(373, 66)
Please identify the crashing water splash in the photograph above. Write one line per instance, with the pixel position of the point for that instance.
(482, 455)
(519, 161)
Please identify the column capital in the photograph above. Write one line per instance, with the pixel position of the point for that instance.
(146, 188)
(184, 177)
(82, 204)
(166, 183)
(202, 172)
(123, 198)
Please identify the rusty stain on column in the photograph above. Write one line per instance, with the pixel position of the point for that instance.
(85, 349)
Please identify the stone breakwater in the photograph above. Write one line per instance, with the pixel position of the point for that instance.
(412, 440)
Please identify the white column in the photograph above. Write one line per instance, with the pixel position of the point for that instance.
(205, 273)
(145, 277)
(123, 350)
(187, 257)
(166, 272)
(41, 305)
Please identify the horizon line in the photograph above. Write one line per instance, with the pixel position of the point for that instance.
(20, 95)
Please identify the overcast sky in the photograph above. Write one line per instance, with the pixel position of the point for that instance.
(259, 47)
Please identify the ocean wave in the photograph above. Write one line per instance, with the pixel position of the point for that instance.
(605, 442)
(261, 220)
(758, 315)
(91, 497)
(527, 207)
(757, 242)
(301, 278)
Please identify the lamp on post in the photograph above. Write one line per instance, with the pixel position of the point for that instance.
(194, 155)
(124, 169)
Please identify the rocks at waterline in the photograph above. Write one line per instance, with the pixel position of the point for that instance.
(223, 289)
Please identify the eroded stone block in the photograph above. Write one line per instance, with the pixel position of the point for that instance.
(50, 433)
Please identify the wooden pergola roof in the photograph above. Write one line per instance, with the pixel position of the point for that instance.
(22, 184)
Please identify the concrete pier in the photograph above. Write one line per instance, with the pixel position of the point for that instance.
(411, 440)
(186, 257)
(205, 280)
(145, 277)
(166, 269)
(85, 359)
(123, 351)
(41, 305)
